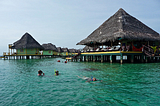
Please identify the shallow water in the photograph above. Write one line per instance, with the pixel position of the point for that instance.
(122, 85)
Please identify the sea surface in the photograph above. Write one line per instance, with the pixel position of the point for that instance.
(122, 85)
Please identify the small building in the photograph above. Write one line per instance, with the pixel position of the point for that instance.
(49, 49)
(72, 52)
(25, 46)
(65, 52)
(59, 49)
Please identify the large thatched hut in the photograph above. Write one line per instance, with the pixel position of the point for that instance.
(49, 49)
(27, 45)
(124, 30)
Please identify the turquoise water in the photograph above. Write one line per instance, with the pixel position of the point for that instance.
(122, 85)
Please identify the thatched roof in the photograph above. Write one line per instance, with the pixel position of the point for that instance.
(59, 49)
(121, 26)
(88, 48)
(49, 46)
(26, 42)
(65, 50)
(72, 50)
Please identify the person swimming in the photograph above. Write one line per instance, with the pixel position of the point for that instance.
(56, 73)
(88, 79)
(40, 73)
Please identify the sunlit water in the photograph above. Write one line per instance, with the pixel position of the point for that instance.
(122, 85)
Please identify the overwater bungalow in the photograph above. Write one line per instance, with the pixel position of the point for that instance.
(25, 47)
(72, 52)
(59, 49)
(122, 35)
(49, 49)
(65, 52)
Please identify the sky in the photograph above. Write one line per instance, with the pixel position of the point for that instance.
(64, 23)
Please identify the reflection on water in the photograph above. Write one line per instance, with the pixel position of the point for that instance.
(126, 84)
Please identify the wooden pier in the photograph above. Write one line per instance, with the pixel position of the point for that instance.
(115, 56)
(29, 56)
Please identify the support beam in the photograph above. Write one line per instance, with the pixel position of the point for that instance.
(111, 59)
(101, 58)
(146, 59)
(132, 58)
(121, 59)
(86, 58)
(94, 59)
(142, 58)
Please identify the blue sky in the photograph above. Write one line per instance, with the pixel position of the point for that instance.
(66, 22)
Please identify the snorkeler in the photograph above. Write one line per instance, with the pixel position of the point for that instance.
(89, 79)
(56, 73)
(40, 73)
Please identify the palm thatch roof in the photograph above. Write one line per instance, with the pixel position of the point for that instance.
(26, 42)
(72, 50)
(65, 50)
(59, 49)
(120, 26)
(49, 46)
(88, 48)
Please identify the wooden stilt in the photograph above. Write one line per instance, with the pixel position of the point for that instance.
(132, 58)
(110, 58)
(121, 60)
(101, 58)
(94, 58)
(86, 58)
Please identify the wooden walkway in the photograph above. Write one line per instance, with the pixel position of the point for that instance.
(112, 56)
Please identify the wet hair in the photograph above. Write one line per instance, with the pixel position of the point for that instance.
(57, 72)
(40, 72)
(94, 79)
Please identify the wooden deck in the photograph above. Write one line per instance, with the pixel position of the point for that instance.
(111, 56)
(111, 53)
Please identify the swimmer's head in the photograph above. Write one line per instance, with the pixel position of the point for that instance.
(57, 72)
(40, 72)
(94, 79)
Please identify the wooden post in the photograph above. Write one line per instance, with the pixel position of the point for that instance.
(146, 59)
(110, 58)
(94, 58)
(86, 58)
(132, 58)
(121, 60)
(102, 45)
(101, 58)
(111, 44)
(142, 58)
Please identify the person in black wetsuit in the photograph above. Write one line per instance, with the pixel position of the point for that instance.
(56, 73)
(40, 73)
